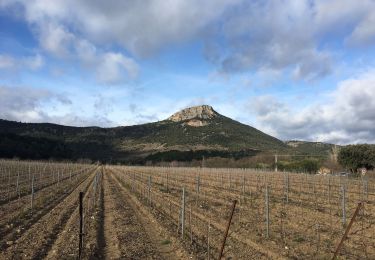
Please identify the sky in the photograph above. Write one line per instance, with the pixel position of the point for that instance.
(298, 70)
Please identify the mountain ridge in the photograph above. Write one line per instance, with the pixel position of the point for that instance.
(192, 132)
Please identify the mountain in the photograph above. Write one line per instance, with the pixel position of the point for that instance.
(191, 133)
(313, 148)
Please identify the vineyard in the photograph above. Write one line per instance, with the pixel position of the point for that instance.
(180, 213)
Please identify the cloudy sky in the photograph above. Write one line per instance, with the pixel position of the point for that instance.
(302, 69)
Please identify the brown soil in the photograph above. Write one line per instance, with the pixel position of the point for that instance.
(39, 238)
(17, 216)
(110, 217)
(308, 226)
(116, 225)
(135, 233)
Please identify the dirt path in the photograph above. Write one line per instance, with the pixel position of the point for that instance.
(122, 231)
(111, 241)
(161, 243)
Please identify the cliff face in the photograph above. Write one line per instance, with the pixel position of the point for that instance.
(198, 112)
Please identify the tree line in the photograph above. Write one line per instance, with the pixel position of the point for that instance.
(355, 157)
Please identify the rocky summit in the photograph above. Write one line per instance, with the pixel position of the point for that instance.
(197, 112)
(196, 116)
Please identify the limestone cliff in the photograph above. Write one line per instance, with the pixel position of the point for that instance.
(203, 112)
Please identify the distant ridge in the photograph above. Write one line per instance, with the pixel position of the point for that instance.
(191, 133)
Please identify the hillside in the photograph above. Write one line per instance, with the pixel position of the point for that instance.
(313, 148)
(192, 133)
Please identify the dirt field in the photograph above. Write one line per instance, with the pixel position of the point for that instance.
(307, 214)
(140, 213)
(116, 226)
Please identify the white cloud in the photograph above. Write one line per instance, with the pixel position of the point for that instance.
(56, 39)
(29, 62)
(71, 119)
(364, 33)
(240, 35)
(7, 62)
(144, 27)
(33, 62)
(316, 65)
(264, 105)
(291, 35)
(25, 107)
(274, 35)
(51, 21)
(30, 107)
(141, 27)
(111, 67)
(86, 52)
(348, 116)
(347, 18)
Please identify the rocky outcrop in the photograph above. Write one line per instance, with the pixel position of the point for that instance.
(204, 112)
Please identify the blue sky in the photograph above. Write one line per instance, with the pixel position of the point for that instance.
(294, 69)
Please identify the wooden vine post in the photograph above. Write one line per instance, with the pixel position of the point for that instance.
(227, 229)
(345, 236)
(80, 225)
(267, 212)
(183, 213)
(32, 192)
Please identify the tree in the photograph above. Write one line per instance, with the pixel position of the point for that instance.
(354, 157)
(310, 165)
